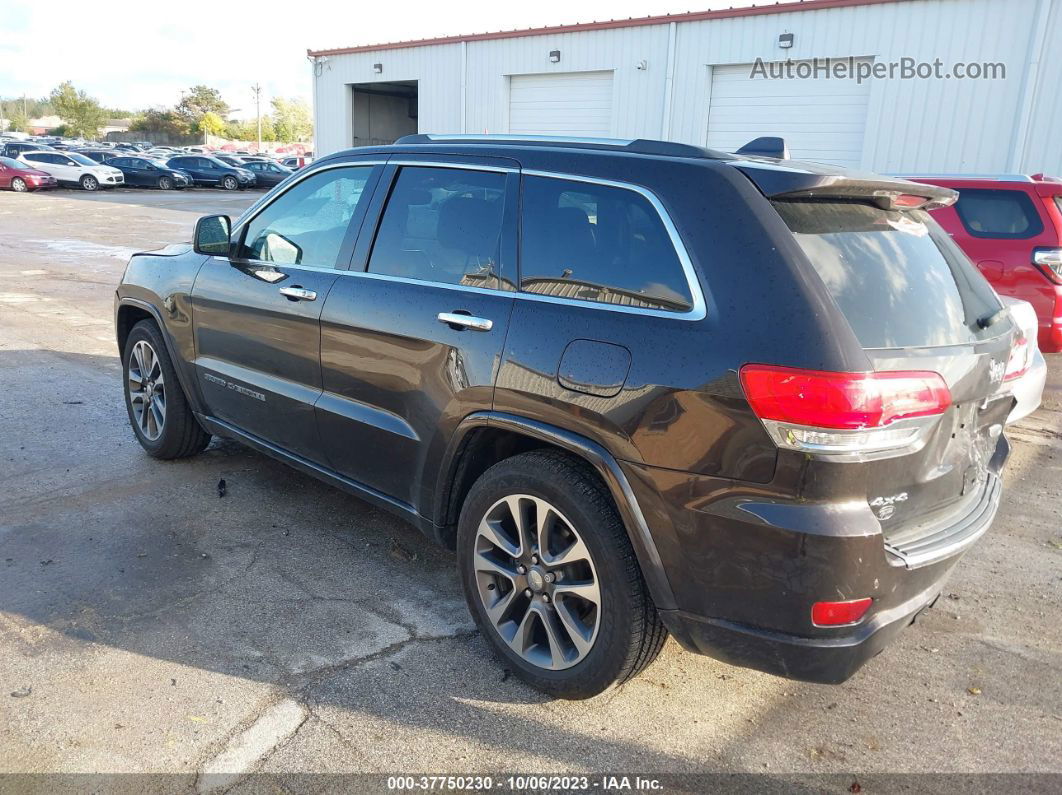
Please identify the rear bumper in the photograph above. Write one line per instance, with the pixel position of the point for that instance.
(746, 568)
(827, 661)
(1029, 389)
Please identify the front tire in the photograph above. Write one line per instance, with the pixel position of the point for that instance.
(165, 183)
(158, 410)
(230, 183)
(18, 185)
(89, 183)
(551, 578)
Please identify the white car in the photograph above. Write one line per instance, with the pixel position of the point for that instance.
(71, 168)
(1028, 387)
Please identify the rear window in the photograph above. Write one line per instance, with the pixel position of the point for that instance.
(998, 214)
(899, 280)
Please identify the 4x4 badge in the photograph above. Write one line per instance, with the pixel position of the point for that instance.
(886, 506)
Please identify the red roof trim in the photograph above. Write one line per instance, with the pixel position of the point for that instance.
(634, 22)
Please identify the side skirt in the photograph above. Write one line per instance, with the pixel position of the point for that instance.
(360, 490)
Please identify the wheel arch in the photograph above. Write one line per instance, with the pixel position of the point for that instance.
(131, 311)
(485, 438)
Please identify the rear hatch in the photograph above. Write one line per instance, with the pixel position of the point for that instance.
(918, 306)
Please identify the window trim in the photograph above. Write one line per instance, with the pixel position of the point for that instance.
(1028, 205)
(696, 312)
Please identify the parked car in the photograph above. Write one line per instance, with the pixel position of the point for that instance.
(267, 174)
(759, 408)
(101, 155)
(229, 160)
(142, 172)
(296, 163)
(1028, 367)
(70, 168)
(1011, 227)
(21, 178)
(13, 150)
(206, 170)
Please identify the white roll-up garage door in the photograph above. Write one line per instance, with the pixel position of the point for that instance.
(572, 103)
(821, 119)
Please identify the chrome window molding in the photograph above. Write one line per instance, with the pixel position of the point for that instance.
(258, 207)
(699, 309)
(456, 166)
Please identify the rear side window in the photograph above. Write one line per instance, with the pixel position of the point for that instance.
(899, 280)
(443, 225)
(998, 213)
(600, 243)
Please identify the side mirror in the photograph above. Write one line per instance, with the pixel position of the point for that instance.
(212, 234)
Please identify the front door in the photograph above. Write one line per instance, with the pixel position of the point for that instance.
(257, 313)
(412, 338)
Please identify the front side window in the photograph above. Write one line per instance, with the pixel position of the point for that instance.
(443, 225)
(599, 243)
(306, 225)
(998, 214)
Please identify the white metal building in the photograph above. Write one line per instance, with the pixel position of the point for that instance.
(689, 77)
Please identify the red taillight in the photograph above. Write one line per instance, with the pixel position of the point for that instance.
(1020, 359)
(835, 614)
(850, 401)
(908, 200)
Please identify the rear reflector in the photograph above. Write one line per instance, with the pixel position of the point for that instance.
(835, 614)
(851, 401)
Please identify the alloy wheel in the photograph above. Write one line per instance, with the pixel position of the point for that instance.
(18, 185)
(89, 183)
(146, 387)
(165, 183)
(536, 581)
(230, 183)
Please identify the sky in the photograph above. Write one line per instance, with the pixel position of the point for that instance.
(141, 55)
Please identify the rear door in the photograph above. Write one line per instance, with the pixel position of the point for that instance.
(257, 314)
(916, 304)
(412, 336)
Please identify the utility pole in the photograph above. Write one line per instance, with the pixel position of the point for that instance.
(257, 89)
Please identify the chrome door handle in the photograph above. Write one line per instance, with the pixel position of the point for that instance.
(465, 321)
(298, 293)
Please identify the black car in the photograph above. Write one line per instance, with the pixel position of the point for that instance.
(640, 387)
(14, 149)
(101, 155)
(142, 172)
(268, 173)
(207, 170)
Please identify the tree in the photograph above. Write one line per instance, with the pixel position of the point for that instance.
(160, 121)
(211, 124)
(18, 122)
(82, 114)
(197, 102)
(291, 120)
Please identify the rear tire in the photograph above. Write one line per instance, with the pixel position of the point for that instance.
(230, 183)
(18, 185)
(158, 410)
(589, 622)
(89, 183)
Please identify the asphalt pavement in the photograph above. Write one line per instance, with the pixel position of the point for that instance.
(149, 625)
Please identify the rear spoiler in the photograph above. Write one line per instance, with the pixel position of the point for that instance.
(816, 183)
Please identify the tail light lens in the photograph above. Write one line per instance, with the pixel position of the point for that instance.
(1049, 261)
(1020, 360)
(865, 415)
(837, 614)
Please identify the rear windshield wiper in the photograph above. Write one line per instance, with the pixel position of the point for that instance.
(991, 320)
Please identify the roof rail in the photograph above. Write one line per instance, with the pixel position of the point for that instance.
(642, 146)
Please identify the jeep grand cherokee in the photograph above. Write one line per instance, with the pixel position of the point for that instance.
(640, 387)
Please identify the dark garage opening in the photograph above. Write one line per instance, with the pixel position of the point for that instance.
(383, 112)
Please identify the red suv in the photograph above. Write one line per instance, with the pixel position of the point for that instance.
(1011, 227)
